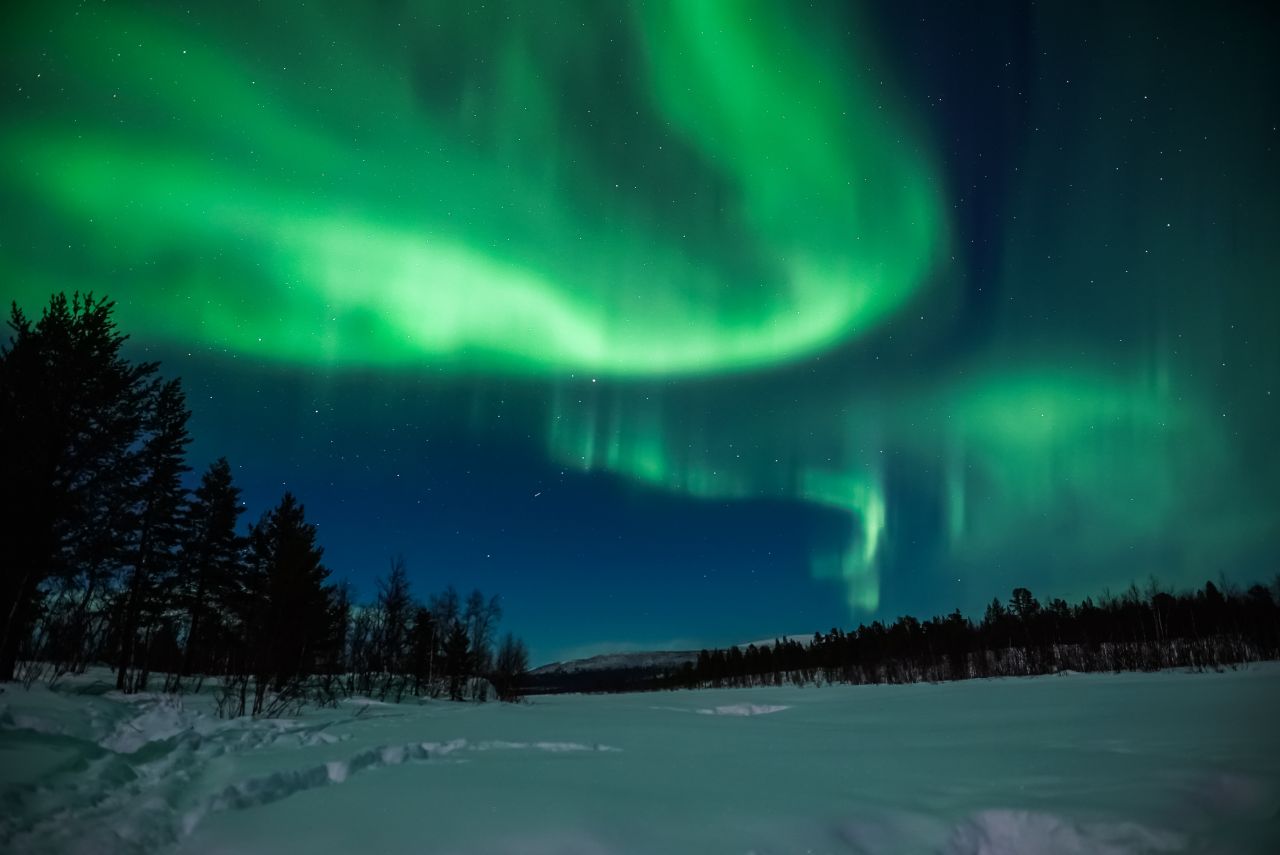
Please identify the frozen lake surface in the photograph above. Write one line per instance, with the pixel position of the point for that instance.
(1131, 763)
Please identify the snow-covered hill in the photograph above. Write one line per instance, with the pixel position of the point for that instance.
(769, 642)
(1061, 765)
(650, 660)
(647, 660)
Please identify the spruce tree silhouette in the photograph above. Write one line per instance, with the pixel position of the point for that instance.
(291, 622)
(457, 659)
(159, 501)
(213, 564)
(72, 412)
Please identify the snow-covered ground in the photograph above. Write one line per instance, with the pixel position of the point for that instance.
(1128, 763)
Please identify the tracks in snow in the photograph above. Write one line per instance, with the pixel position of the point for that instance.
(144, 785)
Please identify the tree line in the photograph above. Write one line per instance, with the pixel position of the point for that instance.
(110, 558)
(1214, 627)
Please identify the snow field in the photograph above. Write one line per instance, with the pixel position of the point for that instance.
(1134, 763)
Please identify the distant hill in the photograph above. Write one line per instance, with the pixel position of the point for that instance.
(612, 671)
(803, 638)
(609, 671)
(646, 659)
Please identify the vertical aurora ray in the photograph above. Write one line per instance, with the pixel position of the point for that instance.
(1004, 446)
(670, 442)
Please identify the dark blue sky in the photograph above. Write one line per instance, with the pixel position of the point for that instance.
(679, 331)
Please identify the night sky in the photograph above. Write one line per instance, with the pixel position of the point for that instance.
(688, 323)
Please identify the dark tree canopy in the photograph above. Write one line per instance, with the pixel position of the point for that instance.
(74, 412)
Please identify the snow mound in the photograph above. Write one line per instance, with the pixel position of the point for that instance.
(159, 717)
(744, 709)
(1014, 832)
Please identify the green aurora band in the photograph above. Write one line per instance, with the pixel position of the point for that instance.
(412, 243)
(665, 216)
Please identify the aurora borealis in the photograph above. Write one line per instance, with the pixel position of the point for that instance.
(688, 321)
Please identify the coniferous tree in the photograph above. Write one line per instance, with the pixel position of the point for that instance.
(153, 552)
(213, 564)
(112, 561)
(457, 659)
(423, 642)
(295, 625)
(70, 415)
